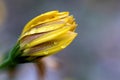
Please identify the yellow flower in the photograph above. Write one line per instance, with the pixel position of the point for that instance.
(44, 35)
(47, 34)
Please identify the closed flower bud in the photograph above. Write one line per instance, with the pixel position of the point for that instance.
(44, 35)
(47, 34)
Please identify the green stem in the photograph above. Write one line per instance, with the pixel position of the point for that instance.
(5, 63)
(10, 60)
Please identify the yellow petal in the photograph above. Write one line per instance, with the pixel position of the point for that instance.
(49, 36)
(43, 18)
(54, 46)
(49, 26)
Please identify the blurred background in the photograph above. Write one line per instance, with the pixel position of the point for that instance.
(94, 54)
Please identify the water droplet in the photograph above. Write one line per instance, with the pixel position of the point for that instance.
(63, 46)
(31, 25)
(27, 50)
(55, 43)
(32, 31)
(45, 52)
(45, 29)
(25, 33)
(51, 28)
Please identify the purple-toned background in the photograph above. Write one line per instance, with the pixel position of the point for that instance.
(94, 55)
